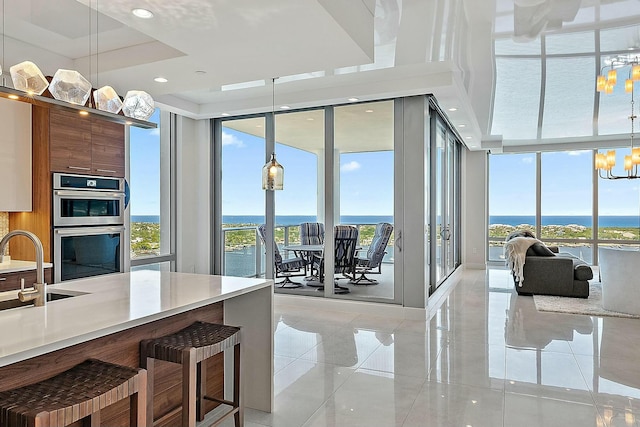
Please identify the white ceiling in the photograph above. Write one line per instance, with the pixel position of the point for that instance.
(219, 56)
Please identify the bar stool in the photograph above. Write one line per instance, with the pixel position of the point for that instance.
(190, 347)
(82, 391)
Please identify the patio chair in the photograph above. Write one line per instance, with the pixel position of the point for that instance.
(345, 242)
(311, 233)
(375, 254)
(285, 268)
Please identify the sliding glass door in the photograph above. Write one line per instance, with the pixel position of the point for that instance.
(447, 205)
(345, 165)
(364, 193)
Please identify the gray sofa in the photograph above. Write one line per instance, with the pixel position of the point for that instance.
(547, 272)
(561, 274)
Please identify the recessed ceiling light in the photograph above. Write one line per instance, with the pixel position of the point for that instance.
(128, 122)
(462, 126)
(310, 119)
(368, 111)
(284, 107)
(258, 126)
(225, 114)
(142, 13)
(160, 80)
(14, 97)
(84, 113)
(352, 99)
(468, 137)
(453, 109)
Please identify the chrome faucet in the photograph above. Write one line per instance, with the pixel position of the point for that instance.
(38, 293)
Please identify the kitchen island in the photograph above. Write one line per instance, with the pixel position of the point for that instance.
(108, 315)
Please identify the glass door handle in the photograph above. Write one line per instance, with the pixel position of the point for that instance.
(398, 241)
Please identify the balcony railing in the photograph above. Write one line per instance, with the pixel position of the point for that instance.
(244, 254)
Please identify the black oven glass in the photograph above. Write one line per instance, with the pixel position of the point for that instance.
(82, 208)
(85, 256)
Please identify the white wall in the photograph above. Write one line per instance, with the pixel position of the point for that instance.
(193, 190)
(474, 209)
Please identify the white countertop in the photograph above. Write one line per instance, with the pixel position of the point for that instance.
(113, 303)
(16, 265)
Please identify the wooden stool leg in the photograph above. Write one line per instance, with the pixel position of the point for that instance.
(202, 389)
(95, 419)
(41, 420)
(138, 403)
(148, 363)
(237, 393)
(189, 389)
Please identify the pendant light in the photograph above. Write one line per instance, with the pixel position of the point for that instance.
(273, 172)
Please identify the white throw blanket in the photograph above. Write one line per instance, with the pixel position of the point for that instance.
(515, 251)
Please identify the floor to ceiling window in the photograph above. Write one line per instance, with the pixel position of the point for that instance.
(243, 203)
(299, 142)
(512, 198)
(341, 167)
(150, 176)
(364, 147)
(618, 210)
(566, 203)
(566, 195)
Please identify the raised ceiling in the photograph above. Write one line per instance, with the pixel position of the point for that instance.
(219, 56)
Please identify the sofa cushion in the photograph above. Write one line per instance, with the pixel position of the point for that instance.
(540, 249)
(583, 272)
(519, 233)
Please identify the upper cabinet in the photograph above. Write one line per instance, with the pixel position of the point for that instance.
(15, 156)
(85, 144)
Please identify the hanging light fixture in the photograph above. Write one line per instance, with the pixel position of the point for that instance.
(272, 171)
(70, 89)
(604, 163)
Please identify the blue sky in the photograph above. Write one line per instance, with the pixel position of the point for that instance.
(566, 185)
(366, 179)
(145, 169)
(366, 186)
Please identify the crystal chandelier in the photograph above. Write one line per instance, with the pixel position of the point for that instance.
(604, 163)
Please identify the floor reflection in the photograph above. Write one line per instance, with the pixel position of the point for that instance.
(486, 357)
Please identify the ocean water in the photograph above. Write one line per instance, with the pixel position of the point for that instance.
(587, 221)
(297, 219)
(604, 221)
(280, 219)
(155, 219)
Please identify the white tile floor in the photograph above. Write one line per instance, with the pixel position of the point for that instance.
(485, 358)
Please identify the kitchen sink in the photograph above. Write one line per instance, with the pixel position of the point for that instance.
(51, 296)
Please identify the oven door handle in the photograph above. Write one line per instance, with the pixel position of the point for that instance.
(89, 194)
(87, 230)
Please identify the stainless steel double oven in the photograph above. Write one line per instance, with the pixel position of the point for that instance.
(88, 225)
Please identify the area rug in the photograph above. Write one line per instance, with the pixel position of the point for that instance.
(591, 306)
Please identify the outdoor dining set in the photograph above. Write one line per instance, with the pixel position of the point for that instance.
(350, 261)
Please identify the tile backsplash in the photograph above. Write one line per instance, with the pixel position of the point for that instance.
(4, 224)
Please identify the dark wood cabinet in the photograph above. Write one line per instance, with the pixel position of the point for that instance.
(11, 281)
(85, 144)
(107, 148)
(63, 141)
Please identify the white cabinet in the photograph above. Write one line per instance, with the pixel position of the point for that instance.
(15, 156)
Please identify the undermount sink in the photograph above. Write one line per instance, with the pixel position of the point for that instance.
(16, 303)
